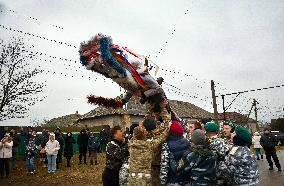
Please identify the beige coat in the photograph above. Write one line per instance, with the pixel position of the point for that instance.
(6, 149)
(256, 142)
(52, 147)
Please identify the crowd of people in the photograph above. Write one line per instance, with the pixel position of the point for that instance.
(157, 153)
(151, 153)
(50, 147)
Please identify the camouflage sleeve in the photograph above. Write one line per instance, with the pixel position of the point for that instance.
(164, 164)
(219, 147)
(160, 136)
(189, 161)
(227, 167)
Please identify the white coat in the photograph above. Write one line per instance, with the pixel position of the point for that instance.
(256, 142)
(6, 149)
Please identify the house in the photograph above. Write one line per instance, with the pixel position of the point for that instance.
(63, 121)
(240, 119)
(134, 112)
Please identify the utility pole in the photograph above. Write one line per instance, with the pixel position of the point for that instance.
(224, 108)
(255, 110)
(214, 101)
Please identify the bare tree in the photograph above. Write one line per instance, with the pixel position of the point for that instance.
(39, 122)
(18, 88)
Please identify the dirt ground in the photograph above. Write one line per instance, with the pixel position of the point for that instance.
(76, 175)
(91, 175)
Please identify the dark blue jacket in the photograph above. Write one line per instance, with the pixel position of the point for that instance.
(178, 145)
(93, 143)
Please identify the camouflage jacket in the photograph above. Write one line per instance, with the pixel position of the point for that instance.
(240, 167)
(219, 147)
(201, 164)
(143, 152)
(140, 156)
(228, 143)
(158, 137)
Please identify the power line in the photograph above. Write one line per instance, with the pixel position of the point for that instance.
(253, 90)
(27, 17)
(37, 36)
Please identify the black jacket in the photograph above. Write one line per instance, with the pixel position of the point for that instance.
(82, 141)
(44, 139)
(68, 150)
(60, 140)
(116, 153)
(268, 141)
(16, 140)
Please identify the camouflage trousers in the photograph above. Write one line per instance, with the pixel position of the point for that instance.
(164, 114)
(139, 179)
(155, 173)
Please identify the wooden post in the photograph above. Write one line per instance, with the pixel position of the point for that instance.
(214, 101)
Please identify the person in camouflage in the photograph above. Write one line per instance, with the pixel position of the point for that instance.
(216, 144)
(176, 145)
(228, 127)
(145, 153)
(200, 162)
(124, 170)
(155, 99)
(240, 166)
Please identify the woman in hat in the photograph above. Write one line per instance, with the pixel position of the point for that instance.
(256, 145)
(6, 145)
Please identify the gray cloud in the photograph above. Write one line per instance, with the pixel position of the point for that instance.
(237, 43)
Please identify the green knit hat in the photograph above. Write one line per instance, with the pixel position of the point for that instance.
(243, 133)
(211, 127)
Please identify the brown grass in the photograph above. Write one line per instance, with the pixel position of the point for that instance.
(76, 175)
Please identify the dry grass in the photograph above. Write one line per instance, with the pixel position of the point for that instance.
(76, 175)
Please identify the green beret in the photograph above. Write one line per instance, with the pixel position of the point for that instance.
(230, 123)
(243, 133)
(211, 127)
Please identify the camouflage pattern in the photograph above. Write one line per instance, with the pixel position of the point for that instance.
(201, 163)
(228, 143)
(240, 167)
(165, 159)
(145, 156)
(124, 173)
(140, 156)
(164, 114)
(139, 180)
(165, 166)
(219, 147)
(159, 136)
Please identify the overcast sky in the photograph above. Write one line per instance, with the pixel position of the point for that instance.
(238, 44)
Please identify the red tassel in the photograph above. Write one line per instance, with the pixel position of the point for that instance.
(106, 102)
